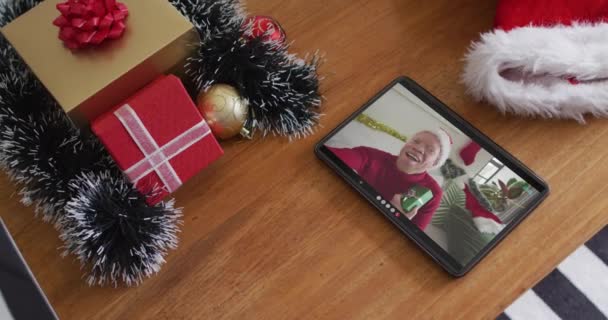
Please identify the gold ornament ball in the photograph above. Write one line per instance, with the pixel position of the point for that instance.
(224, 110)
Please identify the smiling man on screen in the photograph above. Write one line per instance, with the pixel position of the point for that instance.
(394, 176)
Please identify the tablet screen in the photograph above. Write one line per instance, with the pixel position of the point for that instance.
(425, 170)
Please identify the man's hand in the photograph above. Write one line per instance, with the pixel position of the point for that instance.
(396, 202)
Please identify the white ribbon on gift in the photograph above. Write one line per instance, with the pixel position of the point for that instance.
(157, 158)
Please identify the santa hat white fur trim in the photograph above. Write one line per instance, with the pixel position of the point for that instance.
(445, 142)
(579, 51)
(486, 225)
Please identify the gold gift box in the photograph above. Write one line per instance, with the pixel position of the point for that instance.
(88, 82)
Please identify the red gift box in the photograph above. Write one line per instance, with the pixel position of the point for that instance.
(158, 138)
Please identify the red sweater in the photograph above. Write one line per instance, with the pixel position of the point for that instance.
(379, 169)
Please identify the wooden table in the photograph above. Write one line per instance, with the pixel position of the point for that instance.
(269, 232)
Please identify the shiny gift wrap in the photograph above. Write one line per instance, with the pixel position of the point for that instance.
(158, 138)
(89, 81)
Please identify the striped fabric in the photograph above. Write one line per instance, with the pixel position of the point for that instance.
(577, 289)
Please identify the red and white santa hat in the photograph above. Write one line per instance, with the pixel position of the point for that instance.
(545, 58)
(484, 220)
(445, 143)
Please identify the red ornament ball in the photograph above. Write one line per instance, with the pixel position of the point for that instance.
(265, 28)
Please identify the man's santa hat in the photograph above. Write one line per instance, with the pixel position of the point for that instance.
(546, 58)
(445, 146)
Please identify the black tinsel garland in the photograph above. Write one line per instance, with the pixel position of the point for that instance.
(47, 157)
(282, 90)
(72, 181)
(108, 225)
(10, 10)
(212, 17)
(43, 153)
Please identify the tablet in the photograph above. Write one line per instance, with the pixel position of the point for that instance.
(442, 182)
(20, 295)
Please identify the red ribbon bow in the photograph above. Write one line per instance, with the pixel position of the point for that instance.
(90, 22)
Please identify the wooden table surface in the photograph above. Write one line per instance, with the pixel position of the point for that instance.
(270, 232)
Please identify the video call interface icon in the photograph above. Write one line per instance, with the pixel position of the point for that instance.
(386, 204)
